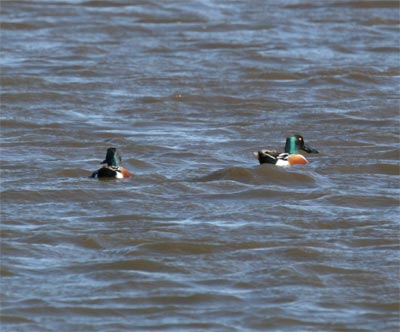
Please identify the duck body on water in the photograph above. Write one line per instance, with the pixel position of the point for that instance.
(291, 156)
(112, 167)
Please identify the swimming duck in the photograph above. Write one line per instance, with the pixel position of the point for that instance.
(290, 157)
(111, 167)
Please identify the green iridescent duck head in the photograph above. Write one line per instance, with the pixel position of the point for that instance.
(112, 158)
(295, 143)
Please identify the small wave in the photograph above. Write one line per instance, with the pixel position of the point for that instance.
(186, 248)
(73, 173)
(143, 265)
(260, 175)
(364, 201)
(238, 174)
(369, 169)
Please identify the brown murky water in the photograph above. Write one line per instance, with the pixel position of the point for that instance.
(201, 238)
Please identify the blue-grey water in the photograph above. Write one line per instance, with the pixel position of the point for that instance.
(201, 238)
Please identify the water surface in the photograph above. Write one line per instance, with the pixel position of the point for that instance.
(202, 238)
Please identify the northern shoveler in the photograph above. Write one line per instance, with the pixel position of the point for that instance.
(291, 156)
(111, 167)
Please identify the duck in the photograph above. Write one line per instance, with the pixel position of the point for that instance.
(290, 157)
(112, 167)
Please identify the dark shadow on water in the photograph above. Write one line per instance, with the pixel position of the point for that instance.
(261, 175)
